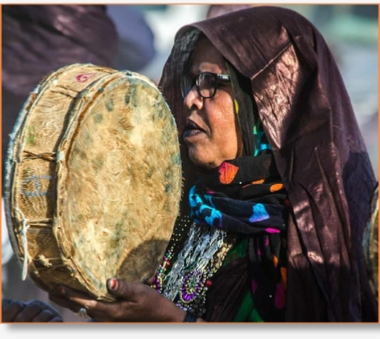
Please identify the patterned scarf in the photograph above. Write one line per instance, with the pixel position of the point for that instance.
(245, 197)
(240, 196)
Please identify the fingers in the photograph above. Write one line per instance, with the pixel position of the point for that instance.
(29, 312)
(46, 306)
(139, 302)
(64, 302)
(133, 302)
(44, 317)
(78, 298)
(6, 302)
(74, 301)
(67, 303)
(98, 310)
(32, 311)
(11, 309)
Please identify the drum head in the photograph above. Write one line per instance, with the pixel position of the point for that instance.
(99, 191)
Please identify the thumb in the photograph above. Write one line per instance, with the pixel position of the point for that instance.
(129, 291)
(113, 286)
(119, 288)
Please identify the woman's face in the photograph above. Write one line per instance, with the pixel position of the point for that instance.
(211, 131)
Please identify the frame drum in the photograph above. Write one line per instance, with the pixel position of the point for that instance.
(93, 179)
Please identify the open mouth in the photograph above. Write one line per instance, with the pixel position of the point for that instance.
(192, 129)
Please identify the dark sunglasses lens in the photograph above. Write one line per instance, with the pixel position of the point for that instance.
(207, 84)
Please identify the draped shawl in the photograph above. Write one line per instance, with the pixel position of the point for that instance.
(319, 152)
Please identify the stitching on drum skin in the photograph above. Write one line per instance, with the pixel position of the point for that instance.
(65, 91)
(50, 156)
(44, 223)
(42, 267)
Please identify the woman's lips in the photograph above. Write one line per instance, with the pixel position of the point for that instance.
(191, 133)
(192, 129)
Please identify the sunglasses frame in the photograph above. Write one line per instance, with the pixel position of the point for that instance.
(195, 81)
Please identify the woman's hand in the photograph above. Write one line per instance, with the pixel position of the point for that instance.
(32, 311)
(136, 302)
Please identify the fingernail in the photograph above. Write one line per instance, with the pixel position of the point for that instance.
(112, 284)
(61, 290)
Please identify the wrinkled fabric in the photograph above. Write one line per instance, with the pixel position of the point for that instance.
(40, 39)
(319, 152)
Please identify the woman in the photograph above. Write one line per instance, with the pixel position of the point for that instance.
(277, 187)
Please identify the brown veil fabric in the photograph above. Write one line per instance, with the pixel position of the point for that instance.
(320, 154)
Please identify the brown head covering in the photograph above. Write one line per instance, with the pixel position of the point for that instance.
(320, 154)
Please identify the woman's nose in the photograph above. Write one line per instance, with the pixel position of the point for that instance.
(193, 99)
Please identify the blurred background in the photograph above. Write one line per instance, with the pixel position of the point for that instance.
(39, 39)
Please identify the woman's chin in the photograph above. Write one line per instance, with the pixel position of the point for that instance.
(205, 163)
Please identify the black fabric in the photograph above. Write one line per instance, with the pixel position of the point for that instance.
(225, 295)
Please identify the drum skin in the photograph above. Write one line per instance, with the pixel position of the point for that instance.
(93, 179)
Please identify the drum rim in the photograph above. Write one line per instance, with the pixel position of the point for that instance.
(10, 163)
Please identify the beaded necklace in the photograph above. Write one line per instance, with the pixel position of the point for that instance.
(193, 266)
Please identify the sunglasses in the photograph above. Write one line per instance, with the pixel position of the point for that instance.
(205, 82)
